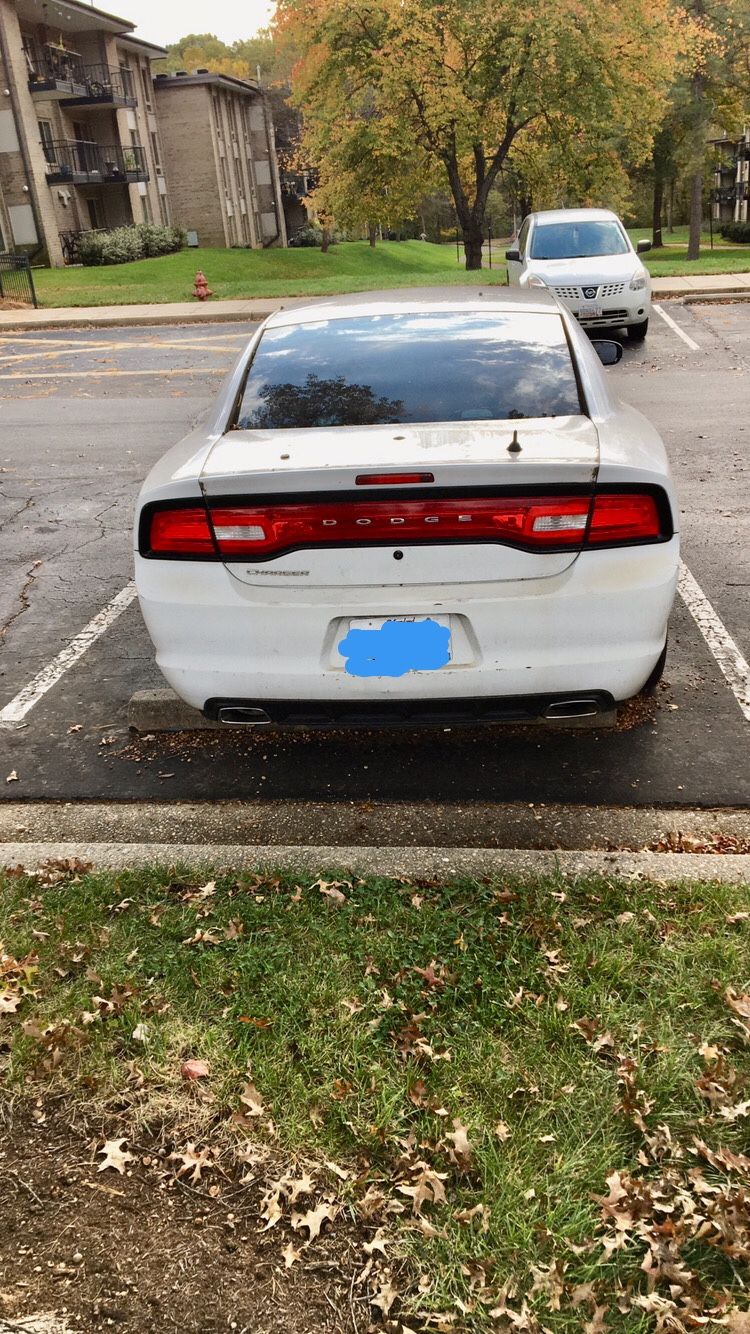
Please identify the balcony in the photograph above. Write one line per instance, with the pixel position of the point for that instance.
(106, 87)
(59, 74)
(83, 162)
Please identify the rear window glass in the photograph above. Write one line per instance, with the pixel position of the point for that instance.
(387, 369)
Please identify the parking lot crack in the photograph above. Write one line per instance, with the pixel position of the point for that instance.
(27, 504)
(23, 600)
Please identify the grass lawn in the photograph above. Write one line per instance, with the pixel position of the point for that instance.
(532, 1098)
(677, 237)
(349, 267)
(242, 274)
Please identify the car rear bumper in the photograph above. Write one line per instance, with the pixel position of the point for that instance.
(598, 627)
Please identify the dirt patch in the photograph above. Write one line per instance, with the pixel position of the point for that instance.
(144, 1251)
(7, 303)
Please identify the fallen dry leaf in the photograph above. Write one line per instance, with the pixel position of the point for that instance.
(251, 1100)
(115, 1156)
(290, 1256)
(193, 1161)
(313, 1219)
(195, 1069)
(502, 1131)
(459, 1138)
(12, 777)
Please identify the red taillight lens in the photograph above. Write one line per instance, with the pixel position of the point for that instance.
(534, 523)
(626, 517)
(180, 532)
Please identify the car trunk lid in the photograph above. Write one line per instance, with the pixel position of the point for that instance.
(367, 492)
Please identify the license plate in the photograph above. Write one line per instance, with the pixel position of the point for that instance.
(590, 312)
(395, 645)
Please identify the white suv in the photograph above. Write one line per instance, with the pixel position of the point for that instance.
(586, 257)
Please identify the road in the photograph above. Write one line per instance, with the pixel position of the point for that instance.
(85, 414)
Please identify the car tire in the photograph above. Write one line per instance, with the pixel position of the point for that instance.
(638, 331)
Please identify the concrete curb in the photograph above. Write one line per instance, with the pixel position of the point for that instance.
(715, 298)
(370, 824)
(435, 863)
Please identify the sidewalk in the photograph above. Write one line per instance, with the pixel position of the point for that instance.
(252, 311)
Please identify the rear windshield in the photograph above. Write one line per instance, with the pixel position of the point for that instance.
(387, 369)
(574, 240)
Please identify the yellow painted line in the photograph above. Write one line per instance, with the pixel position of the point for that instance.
(99, 375)
(15, 357)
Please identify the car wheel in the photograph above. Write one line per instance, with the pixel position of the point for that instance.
(638, 331)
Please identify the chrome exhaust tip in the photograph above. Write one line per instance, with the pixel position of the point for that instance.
(237, 716)
(573, 708)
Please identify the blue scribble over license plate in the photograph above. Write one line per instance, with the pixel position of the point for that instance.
(395, 645)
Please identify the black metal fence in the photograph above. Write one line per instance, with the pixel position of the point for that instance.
(17, 280)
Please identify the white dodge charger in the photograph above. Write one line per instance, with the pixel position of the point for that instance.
(412, 512)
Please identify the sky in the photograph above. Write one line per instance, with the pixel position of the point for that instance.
(164, 21)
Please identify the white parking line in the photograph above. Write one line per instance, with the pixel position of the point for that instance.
(694, 347)
(720, 642)
(14, 713)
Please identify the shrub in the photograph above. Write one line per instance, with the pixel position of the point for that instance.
(143, 240)
(307, 236)
(736, 231)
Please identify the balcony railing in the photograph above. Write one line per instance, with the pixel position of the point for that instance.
(55, 71)
(105, 86)
(84, 162)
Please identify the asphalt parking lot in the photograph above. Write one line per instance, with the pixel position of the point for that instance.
(84, 415)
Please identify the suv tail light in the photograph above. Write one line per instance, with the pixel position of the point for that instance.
(534, 523)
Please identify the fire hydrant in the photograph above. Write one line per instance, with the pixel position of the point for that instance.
(201, 288)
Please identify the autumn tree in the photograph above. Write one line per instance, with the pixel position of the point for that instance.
(460, 81)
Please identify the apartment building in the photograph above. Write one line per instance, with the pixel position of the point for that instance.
(79, 139)
(730, 196)
(220, 158)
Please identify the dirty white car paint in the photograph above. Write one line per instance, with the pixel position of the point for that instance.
(329, 548)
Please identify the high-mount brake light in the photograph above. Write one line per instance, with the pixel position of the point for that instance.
(533, 523)
(393, 478)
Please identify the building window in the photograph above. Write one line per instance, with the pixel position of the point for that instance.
(156, 153)
(96, 216)
(164, 209)
(147, 86)
(45, 134)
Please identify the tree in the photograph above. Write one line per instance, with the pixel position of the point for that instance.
(460, 81)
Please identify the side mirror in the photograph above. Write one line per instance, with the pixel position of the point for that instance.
(513, 255)
(642, 247)
(607, 350)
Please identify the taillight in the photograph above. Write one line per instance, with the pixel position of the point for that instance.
(180, 532)
(533, 523)
(624, 517)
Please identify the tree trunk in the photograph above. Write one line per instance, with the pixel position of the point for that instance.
(656, 237)
(325, 240)
(372, 233)
(696, 215)
(670, 207)
(473, 244)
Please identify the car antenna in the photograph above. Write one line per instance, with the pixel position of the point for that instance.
(514, 447)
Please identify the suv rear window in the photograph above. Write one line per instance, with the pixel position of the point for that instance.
(387, 369)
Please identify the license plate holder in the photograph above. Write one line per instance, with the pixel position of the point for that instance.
(589, 311)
